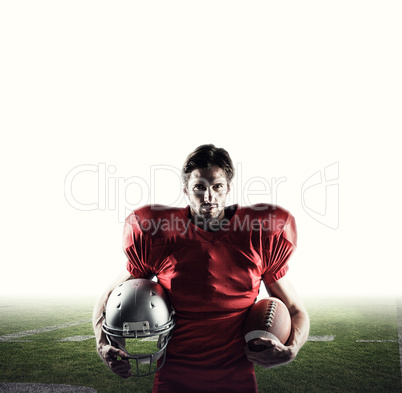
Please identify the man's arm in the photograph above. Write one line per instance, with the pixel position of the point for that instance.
(108, 353)
(277, 354)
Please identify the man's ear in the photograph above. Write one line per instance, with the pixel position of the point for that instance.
(185, 191)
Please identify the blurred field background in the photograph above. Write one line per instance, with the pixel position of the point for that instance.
(348, 363)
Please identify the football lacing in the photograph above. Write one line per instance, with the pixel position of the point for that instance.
(270, 313)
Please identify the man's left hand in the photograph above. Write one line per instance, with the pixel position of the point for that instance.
(275, 353)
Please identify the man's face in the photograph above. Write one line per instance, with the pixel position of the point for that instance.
(207, 189)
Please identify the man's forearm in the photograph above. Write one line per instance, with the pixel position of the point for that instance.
(97, 319)
(300, 329)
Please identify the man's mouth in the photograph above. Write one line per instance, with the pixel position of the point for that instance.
(209, 206)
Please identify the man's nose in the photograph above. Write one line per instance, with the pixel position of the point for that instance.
(207, 195)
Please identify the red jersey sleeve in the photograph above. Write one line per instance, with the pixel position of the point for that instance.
(277, 247)
(137, 248)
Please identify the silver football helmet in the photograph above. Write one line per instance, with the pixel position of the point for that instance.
(140, 309)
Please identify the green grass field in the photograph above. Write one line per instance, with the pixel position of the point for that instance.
(340, 365)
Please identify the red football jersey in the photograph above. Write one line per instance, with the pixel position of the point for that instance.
(212, 279)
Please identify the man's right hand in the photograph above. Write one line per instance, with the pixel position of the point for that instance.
(110, 355)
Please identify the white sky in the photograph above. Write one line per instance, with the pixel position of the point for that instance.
(129, 89)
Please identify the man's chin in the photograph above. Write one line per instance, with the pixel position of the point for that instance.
(207, 217)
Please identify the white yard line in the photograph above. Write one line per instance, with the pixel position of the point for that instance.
(376, 341)
(320, 338)
(45, 329)
(76, 338)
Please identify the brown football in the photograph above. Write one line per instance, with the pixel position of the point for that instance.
(267, 318)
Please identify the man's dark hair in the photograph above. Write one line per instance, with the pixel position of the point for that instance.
(207, 156)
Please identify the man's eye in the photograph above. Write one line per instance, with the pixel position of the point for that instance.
(199, 187)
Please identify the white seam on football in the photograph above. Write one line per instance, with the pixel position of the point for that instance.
(259, 333)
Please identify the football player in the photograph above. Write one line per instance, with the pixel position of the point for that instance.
(211, 259)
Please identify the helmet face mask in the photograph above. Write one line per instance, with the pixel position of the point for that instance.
(143, 354)
(139, 320)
